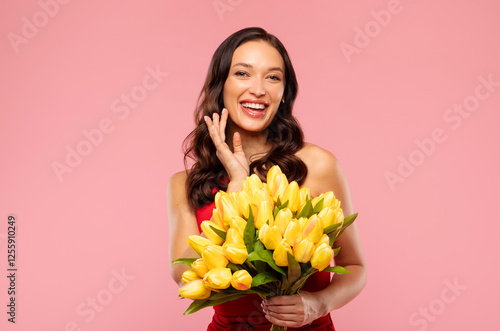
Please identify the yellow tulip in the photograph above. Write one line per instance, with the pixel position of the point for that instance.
(303, 251)
(275, 170)
(305, 194)
(282, 219)
(233, 236)
(198, 243)
(329, 200)
(241, 280)
(330, 216)
(293, 233)
(200, 267)
(232, 196)
(218, 278)
(280, 254)
(214, 257)
(270, 236)
(218, 220)
(264, 214)
(312, 229)
(252, 183)
(245, 202)
(189, 275)
(239, 224)
(194, 290)
(278, 187)
(302, 221)
(206, 227)
(292, 195)
(324, 239)
(276, 183)
(261, 195)
(235, 252)
(226, 207)
(322, 257)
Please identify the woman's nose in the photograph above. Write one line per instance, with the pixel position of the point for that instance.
(257, 88)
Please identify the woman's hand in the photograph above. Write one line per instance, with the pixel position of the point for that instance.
(294, 310)
(235, 162)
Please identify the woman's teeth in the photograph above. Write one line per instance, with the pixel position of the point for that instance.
(254, 105)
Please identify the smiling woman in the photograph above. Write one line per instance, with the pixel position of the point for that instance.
(254, 87)
(244, 125)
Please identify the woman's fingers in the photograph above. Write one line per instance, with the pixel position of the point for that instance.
(223, 123)
(213, 129)
(284, 310)
(235, 162)
(237, 145)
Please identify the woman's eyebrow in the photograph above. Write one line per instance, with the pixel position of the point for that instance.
(246, 65)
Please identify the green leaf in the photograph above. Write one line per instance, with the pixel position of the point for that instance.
(188, 261)
(220, 233)
(249, 232)
(336, 251)
(294, 270)
(347, 221)
(258, 246)
(298, 285)
(260, 266)
(279, 206)
(307, 211)
(234, 267)
(276, 211)
(319, 205)
(306, 267)
(331, 228)
(337, 269)
(265, 256)
(263, 278)
(224, 293)
(195, 306)
(200, 304)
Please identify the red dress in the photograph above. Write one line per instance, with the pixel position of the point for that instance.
(246, 313)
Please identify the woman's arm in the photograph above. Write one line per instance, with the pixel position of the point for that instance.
(181, 224)
(324, 174)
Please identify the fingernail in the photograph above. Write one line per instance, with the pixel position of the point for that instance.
(224, 110)
(206, 118)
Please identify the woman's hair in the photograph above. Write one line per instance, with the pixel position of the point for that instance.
(284, 133)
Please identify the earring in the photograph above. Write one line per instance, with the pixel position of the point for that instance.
(282, 100)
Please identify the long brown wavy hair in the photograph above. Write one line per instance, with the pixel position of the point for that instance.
(284, 133)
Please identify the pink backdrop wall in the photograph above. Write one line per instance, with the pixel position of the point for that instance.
(405, 93)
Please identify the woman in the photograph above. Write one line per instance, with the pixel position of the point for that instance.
(244, 125)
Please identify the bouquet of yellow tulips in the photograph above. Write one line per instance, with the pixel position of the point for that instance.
(267, 238)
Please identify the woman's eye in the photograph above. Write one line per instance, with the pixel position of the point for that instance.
(276, 78)
(240, 73)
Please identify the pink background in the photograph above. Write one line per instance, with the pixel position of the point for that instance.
(434, 226)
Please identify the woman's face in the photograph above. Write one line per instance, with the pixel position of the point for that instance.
(254, 87)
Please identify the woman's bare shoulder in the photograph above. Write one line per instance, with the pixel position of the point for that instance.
(323, 170)
(317, 158)
(177, 182)
(180, 176)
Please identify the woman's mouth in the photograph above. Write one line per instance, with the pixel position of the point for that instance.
(254, 109)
